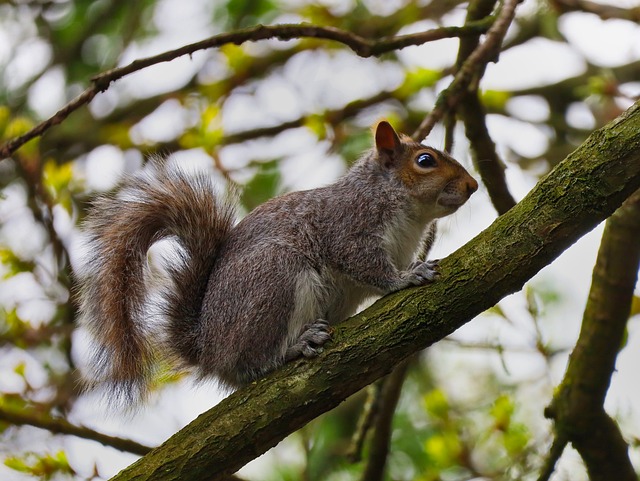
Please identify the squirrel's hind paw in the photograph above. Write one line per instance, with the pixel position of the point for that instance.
(310, 342)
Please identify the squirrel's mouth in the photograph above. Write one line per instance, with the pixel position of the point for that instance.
(456, 194)
(451, 201)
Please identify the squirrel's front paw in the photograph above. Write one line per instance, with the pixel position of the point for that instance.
(310, 342)
(424, 272)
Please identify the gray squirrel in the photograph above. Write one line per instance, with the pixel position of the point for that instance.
(246, 298)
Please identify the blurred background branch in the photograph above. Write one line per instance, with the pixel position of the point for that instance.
(578, 405)
(61, 426)
(361, 46)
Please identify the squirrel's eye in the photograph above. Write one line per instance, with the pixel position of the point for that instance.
(426, 160)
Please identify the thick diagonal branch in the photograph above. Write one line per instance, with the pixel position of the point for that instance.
(578, 194)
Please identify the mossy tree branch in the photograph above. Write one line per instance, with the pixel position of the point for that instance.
(582, 191)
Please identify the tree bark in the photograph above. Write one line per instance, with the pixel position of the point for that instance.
(579, 193)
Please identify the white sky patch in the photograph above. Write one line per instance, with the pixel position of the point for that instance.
(522, 137)
(535, 63)
(311, 168)
(278, 99)
(47, 94)
(197, 160)
(19, 231)
(164, 124)
(104, 167)
(185, 22)
(610, 42)
(580, 116)
(5, 47)
(432, 55)
(327, 80)
(20, 288)
(530, 108)
(30, 58)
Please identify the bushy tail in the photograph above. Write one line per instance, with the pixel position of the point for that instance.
(152, 205)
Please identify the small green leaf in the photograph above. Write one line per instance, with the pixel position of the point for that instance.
(17, 464)
(20, 369)
(317, 125)
(625, 339)
(443, 449)
(495, 99)
(262, 187)
(117, 134)
(5, 115)
(497, 310)
(57, 177)
(417, 79)
(20, 126)
(14, 263)
(501, 411)
(635, 306)
(45, 466)
(516, 439)
(208, 134)
(237, 59)
(437, 404)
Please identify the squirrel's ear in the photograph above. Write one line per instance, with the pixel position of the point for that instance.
(386, 138)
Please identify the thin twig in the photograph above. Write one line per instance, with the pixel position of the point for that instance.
(369, 412)
(450, 97)
(14, 144)
(360, 45)
(557, 448)
(604, 11)
(485, 156)
(333, 116)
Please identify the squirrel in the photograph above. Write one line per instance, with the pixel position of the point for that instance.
(247, 297)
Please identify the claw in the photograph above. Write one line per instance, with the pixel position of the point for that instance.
(310, 342)
(426, 271)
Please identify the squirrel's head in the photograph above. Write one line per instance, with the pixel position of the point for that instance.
(433, 177)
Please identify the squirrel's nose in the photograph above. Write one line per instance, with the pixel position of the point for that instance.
(471, 186)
